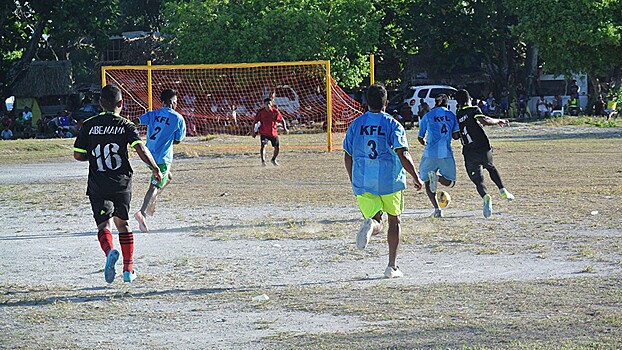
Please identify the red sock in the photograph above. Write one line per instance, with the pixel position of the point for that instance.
(127, 249)
(105, 240)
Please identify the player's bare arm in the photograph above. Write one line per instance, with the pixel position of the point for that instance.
(455, 135)
(486, 120)
(421, 140)
(80, 156)
(145, 156)
(409, 165)
(347, 159)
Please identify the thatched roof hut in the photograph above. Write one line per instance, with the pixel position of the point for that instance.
(45, 78)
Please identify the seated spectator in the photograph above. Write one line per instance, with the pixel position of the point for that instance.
(612, 107)
(542, 108)
(6, 134)
(493, 109)
(557, 104)
(407, 114)
(598, 108)
(27, 117)
(573, 105)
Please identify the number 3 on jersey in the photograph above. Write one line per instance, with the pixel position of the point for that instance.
(107, 157)
(372, 146)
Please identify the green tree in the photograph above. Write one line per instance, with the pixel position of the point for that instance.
(222, 31)
(574, 35)
(451, 36)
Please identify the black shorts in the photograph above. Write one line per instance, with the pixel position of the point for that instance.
(273, 140)
(107, 206)
(474, 159)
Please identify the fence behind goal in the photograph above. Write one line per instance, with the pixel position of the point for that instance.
(224, 98)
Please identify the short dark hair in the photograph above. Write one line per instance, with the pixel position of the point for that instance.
(111, 94)
(441, 100)
(267, 99)
(167, 95)
(376, 96)
(463, 97)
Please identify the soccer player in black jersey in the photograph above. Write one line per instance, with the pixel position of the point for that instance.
(103, 141)
(476, 148)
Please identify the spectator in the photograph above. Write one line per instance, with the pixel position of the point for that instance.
(542, 108)
(522, 106)
(504, 104)
(557, 103)
(612, 107)
(490, 98)
(493, 109)
(407, 114)
(423, 108)
(6, 134)
(27, 117)
(598, 108)
(573, 105)
(574, 88)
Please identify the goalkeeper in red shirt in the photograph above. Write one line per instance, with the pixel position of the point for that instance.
(266, 121)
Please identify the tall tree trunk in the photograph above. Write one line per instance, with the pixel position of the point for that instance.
(530, 76)
(31, 50)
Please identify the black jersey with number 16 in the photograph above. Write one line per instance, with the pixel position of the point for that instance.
(104, 138)
(472, 134)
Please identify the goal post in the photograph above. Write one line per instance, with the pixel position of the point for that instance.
(224, 98)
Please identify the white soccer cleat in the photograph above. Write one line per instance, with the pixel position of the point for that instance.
(506, 195)
(364, 234)
(393, 272)
(487, 208)
(128, 276)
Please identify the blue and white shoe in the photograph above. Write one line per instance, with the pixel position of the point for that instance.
(487, 209)
(129, 276)
(109, 270)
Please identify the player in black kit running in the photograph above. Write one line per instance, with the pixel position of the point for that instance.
(476, 148)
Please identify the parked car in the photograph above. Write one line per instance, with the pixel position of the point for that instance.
(428, 93)
(286, 100)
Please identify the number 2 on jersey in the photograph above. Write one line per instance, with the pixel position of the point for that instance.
(157, 131)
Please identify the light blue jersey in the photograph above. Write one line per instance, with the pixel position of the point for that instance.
(163, 127)
(437, 126)
(371, 140)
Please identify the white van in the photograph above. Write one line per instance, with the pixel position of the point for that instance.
(551, 85)
(428, 93)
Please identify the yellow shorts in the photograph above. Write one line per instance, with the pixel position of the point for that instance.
(164, 168)
(371, 204)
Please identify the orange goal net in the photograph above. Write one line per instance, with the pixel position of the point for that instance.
(224, 98)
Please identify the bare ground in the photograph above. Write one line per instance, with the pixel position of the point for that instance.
(543, 272)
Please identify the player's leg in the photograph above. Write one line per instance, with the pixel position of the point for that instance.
(447, 177)
(102, 213)
(371, 208)
(126, 236)
(393, 205)
(152, 203)
(473, 164)
(262, 150)
(427, 170)
(277, 146)
(495, 176)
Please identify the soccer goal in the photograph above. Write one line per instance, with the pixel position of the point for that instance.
(224, 98)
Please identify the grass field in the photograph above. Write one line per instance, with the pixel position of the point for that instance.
(544, 272)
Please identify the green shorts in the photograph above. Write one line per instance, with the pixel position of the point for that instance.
(164, 168)
(371, 204)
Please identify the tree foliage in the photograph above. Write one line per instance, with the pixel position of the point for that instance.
(573, 35)
(222, 31)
